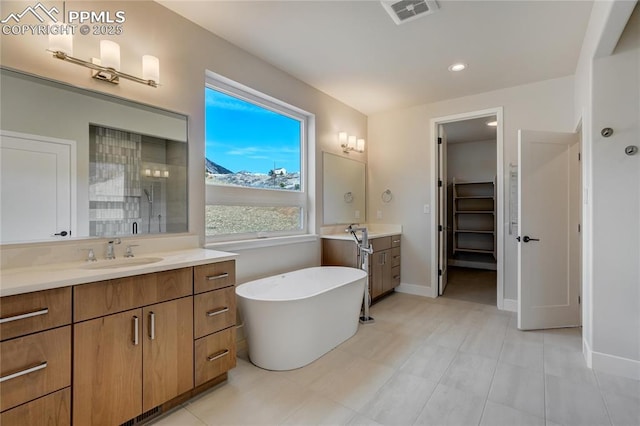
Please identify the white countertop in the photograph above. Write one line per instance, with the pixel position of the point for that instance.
(34, 278)
(348, 236)
(375, 230)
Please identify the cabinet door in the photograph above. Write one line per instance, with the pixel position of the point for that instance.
(167, 351)
(387, 275)
(377, 273)
(107, 369)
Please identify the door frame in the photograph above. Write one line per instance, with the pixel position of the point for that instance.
(435, 122)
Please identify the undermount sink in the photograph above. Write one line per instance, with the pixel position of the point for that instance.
(122, 263)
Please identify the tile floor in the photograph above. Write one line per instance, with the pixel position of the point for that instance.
(427, 362)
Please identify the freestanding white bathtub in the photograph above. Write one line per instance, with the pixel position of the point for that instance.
(294, 318)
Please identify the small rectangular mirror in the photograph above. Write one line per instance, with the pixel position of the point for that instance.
(344, 183)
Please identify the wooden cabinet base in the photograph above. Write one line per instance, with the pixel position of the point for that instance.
(56, 408)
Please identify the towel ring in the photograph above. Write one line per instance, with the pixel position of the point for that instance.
(348, 197)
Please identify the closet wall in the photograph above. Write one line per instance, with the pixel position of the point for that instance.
(469, 162)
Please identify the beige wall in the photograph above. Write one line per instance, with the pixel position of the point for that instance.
(185, 51)
(399, 159)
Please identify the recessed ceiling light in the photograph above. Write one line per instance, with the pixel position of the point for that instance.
(457, 67)
(492, 123)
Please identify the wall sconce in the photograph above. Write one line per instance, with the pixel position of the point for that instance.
(350, 143)
(107, 68)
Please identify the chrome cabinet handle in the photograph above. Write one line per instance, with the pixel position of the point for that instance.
(396, 241)
(217, 277)
(135, 330)
(27, 370)
(218, 355)
(217, 311)
(41, 311)
(152, 326)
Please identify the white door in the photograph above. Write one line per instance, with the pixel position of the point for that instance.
(547, 290)
(443, 252)
(35, 188)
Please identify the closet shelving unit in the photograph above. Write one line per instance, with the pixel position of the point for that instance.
(474, 217)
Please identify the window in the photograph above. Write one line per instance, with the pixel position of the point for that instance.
(255, 155)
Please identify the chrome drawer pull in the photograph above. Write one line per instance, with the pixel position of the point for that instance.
(395, 277)
(28, 370)
(217, 312)
(42, 311)
(217, 277)
(218, 355)
(135, 330)
(152, 326)
(396, 241)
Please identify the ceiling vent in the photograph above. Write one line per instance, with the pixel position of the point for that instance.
(407, 10)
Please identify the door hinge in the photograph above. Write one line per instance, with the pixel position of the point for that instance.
(439, 272)
(579, 228)
(440, 228)
(579, 301)
(579, 156)
(439, 183)
(439, 141)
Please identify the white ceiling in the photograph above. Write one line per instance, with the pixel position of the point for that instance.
(353, 51)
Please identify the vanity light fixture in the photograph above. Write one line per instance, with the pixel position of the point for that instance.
(492, 123)
(107, 68)
(350, 143)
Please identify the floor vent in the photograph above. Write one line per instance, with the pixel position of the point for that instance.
(144, 417)
(407, 10)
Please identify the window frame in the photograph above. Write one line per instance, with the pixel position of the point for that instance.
(264, 197)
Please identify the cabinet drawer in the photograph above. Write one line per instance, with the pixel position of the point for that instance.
(44, 359)
(214, 311)
(396, 240)
(381, 243)
(395, 276)
(395, 257)
(31, 312)
(215, 355)
(112, 296)
(51, 410)
(214, 276)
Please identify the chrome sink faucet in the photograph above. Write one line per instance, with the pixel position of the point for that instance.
(110, 250)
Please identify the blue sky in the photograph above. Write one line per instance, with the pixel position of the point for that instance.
(242, 136)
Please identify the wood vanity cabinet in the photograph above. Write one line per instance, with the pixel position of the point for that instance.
(384, 262)
(35, 358)
(129, 362)
(116, 351)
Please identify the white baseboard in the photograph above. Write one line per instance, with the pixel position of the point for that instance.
(616, 365)
(587, 352)
(415, 289)
(510, 305)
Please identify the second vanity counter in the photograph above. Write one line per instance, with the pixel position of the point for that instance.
(44, 277)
